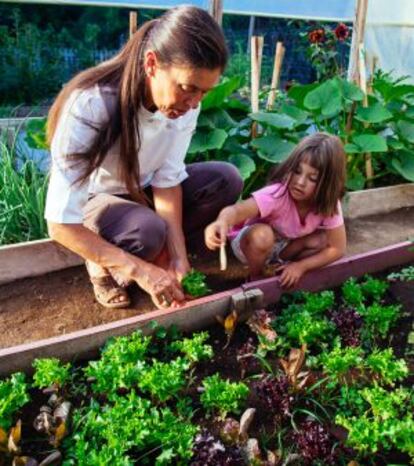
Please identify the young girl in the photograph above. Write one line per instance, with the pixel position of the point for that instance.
(297, 218)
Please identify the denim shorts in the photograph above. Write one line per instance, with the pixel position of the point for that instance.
(273, 258)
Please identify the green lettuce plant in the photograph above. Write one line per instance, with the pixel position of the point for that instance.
(194, 348)
(50, 372)
(223, 396)
(194, 284)
(14, 393)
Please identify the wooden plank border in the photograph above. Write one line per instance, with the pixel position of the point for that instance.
(200, 313)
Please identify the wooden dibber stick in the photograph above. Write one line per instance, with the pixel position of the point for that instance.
(223, 257)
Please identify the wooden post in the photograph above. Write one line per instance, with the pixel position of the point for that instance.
(256, 63)
(133, 22)
(252, 21)
(358, 32)
(216, 10)
(369, 171)
(277, 67)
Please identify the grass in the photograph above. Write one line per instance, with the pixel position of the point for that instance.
(22, 198)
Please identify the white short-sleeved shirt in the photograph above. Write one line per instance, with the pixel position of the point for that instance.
(164, 144)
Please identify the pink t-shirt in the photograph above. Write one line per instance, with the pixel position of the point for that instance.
(278, 209)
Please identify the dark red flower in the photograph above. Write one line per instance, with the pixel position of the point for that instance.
(316, 36)
(341, 31)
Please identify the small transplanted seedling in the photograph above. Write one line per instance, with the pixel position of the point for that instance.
(406, 275)
(54, 417)
(222, 396)
(194, 284)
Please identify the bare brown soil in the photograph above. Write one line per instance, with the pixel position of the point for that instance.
(62, 302)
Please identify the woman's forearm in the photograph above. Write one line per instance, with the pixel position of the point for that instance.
(93, 247)
(168, 205)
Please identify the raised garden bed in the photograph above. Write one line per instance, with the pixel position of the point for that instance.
(331, 386)
(55, 313)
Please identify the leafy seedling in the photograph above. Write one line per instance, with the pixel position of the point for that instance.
(194, 284)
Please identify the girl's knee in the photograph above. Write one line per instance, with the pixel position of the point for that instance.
(259, 238)
(317, 241)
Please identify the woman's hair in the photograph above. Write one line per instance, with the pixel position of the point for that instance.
(326, 154)
(183, 36)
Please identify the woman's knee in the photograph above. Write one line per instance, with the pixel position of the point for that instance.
(140, 232)
(233, 180)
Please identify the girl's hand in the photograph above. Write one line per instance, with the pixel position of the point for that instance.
(291, 274)
(215, 234)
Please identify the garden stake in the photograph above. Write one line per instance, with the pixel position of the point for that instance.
(369, 171)
(358, 29)
(256, 63)
(223, 257)
(277, 67)
(216, 10)
(133, 22)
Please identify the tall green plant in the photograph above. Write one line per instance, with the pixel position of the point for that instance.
(384, 128)
(22, 198)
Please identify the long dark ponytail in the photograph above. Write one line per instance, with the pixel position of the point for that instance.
(182, 36)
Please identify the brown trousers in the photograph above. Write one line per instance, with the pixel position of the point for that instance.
(138, 230)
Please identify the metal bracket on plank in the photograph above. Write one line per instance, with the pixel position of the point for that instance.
(247, 301)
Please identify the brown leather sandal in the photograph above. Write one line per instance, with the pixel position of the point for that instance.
(106, 289)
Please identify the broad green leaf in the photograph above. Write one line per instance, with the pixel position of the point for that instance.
(366, 143)
(296, 113)
(274, 119)
(216, 97)
(356, 181)
(326, 98)
(395, 144)
(375, 113)
(204, 121)
(390, 91)
(272, 148)
(409, 113)
(404, 164)
(233, 146)
(298, 92)
(207, 140)
(237, 104)
(244, 163)
(219, 118)
(406, 129)
(351, 148)
(350, 91)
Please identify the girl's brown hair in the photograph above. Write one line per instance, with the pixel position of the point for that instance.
(325, 153)
(183, 36)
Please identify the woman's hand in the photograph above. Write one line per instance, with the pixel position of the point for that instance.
(291, 274)
(164, 289)
(179, 268)
(215, 234)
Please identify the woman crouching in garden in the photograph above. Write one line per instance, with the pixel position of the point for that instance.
(120, 194)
